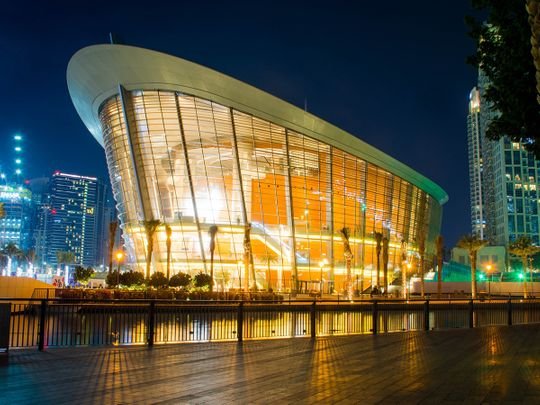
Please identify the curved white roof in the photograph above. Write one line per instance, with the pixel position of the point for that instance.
(94, 73)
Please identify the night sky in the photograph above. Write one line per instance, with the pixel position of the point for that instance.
(392, 73)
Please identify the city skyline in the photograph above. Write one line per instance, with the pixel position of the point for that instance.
(403, 91)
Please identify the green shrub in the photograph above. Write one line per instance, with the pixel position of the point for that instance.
(202, 280)
(112, 279)
(131, 278)
(158, 280)
(180, 280)
(82, 275)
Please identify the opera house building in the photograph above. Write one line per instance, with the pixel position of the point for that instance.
(260, 191)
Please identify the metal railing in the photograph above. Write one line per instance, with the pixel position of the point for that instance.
(63, 323)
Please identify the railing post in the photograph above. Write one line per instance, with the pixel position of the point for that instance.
(151, 323)
(313, 323)
(426, 315)
(471, 314)
(509, 312)
(375, 320)
(41, 333)
(240, 322)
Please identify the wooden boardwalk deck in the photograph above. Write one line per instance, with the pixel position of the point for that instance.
(484, 365)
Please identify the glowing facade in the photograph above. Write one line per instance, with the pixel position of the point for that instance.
(194, 149)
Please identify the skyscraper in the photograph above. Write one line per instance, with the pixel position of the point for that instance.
(478, 222)
(15, 224)
(75, 217)
(503, 179)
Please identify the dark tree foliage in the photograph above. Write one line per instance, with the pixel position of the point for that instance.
(504, 55)
(82, 274)
(202, 280)
(131, 278)
(112, 278)
(180, 280)
(158, 280)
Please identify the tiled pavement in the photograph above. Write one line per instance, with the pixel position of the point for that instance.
(487, 365)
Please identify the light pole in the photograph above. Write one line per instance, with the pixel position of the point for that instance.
(488, 272)
(119, 258)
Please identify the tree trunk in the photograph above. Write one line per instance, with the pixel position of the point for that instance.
(149, 258)
(524, 261)
(439, 274)
(473, 274)
(422, 287)
(212, 270)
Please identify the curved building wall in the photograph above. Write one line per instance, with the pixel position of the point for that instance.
(193, 163)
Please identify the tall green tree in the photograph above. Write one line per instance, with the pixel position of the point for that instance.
(503, 43)
(212, 232)
(112, 236)
(150, 227)
(65, 258)
(345, 234)
(439, 244)
(422, 253)
(385, 245)
(11, 251)
(168, 244)
(524, 248)
(378, 248)
(472, 244)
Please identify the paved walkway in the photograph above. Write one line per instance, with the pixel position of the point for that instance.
(488, 365)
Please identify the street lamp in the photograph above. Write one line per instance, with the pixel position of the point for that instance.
(119, 258)
(488, 272)
(407, 289)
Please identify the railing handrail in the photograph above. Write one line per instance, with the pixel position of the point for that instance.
(293, 301)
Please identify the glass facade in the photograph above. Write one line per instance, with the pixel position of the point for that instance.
(279, 199)
(507, 184)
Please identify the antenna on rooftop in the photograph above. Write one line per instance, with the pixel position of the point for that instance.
(305, 104)
(115, 39)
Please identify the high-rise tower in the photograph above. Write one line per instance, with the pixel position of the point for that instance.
(478, 222)
(75, 217)
(504, 178)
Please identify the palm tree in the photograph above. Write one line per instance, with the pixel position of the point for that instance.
(212, 232)
(65, 258)
(385, 243)
(524, 248)
(345, 234)
(378, 239)
(112, 236)
(30, 257)
(472, 244)
(421, 253)
(404, 268)
(11, 251)
(150, 228)
(168, 243)
(439, 242)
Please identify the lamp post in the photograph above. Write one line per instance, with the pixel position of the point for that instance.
(119, 258)
(488, 272)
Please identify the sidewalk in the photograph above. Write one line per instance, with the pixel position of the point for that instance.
(484, 365)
